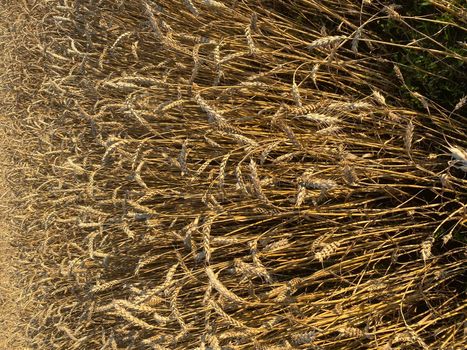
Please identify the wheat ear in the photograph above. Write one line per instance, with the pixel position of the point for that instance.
(217, 285)
(127, 315)
(325, 41)
(191, 7)
(326, 251)
(206, 232)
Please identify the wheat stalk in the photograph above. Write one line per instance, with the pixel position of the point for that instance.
(120, 124)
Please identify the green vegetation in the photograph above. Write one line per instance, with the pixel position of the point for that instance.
(433, 58)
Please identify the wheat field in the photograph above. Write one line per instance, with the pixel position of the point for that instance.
(200, 174)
